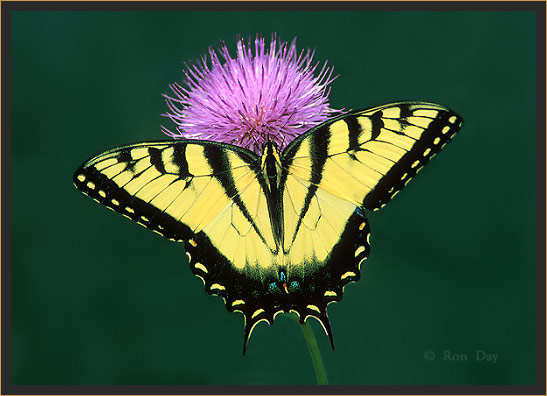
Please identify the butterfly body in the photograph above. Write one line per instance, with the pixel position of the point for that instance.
(280, 232)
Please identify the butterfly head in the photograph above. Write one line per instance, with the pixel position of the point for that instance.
(271, 166)
(269, 145)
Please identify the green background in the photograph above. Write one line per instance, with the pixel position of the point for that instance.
(97, 299)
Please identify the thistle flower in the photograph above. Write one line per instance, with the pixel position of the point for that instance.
(265, 95)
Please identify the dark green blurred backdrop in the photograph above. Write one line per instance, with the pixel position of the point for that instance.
(100, 300)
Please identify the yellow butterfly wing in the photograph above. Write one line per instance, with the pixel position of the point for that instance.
(266, 252)
(357, 161)
(183, 189)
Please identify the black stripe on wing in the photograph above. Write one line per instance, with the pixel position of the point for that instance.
(318, 155)
(103, 190)
(220, 164)
(428, 126)
(94, 183)
(438, 133)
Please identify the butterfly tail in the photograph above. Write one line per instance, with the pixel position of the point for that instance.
(326, 326)
(322, 318)
(246, 338)
(250, 324)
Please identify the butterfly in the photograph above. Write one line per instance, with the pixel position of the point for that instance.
(280, 232)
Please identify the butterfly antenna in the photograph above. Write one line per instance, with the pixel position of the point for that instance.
(283, 140)
(254, 138)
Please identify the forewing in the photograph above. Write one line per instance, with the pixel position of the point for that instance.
(207, 195)
(372, 154)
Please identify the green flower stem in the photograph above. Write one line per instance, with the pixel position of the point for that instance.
(313, 348)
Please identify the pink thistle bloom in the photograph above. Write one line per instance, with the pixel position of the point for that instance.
(269, 95)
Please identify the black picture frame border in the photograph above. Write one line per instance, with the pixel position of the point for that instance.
(8, 7)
